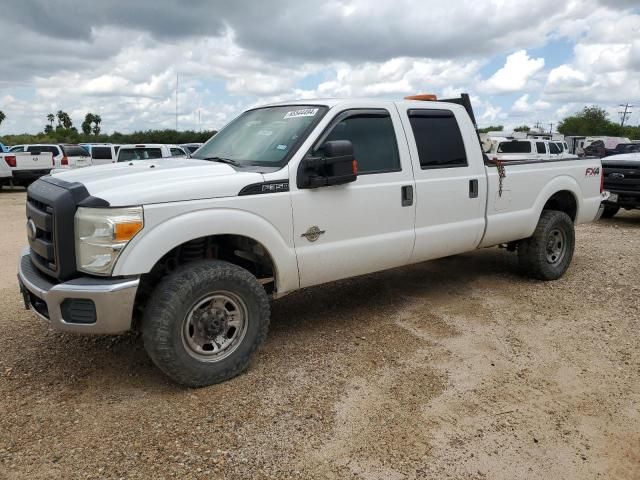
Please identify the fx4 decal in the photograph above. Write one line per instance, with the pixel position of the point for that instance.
(592, 172)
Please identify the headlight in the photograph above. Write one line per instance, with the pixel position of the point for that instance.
(101, 234)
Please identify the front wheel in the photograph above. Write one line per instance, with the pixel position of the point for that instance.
(204, 321)
(547, 254)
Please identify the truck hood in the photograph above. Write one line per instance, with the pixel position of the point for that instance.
(157, 181)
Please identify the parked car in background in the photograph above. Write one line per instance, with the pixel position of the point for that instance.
(3, 148)
(622, 148)
(564, 149)
(518, 149)
(150, 151)
(23, 168)
(622, 180)
(601, 146)
(191, 147)
(64, 155)
(104, 153)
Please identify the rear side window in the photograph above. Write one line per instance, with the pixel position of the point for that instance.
(553, 149)
(74, 151)
(514, 147)
(177, 152)
(141, 153)
(18, 148)
(540, 148)
(101, 153)
(373, 139)
(438, 139)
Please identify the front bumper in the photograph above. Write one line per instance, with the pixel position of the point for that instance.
(82, 305)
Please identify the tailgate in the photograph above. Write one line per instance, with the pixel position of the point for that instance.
(79, 161)
(29, 161)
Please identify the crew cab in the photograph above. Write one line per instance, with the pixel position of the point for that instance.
(23, 168)
(150, 151)
(622, 181)
(287, 196)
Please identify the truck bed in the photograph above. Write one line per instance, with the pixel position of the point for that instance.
(527, 185)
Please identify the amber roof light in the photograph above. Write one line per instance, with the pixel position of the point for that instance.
(425, 97)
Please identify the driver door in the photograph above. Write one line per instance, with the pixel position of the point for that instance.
(364, 226)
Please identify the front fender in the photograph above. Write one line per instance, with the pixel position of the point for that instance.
(152, 244)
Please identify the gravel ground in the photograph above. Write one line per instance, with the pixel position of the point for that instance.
(457, 368)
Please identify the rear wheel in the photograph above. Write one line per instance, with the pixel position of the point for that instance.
(547, 254)
(204, 321)
(610, 211)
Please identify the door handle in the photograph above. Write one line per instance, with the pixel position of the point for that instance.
(473, 188)
(407, 195)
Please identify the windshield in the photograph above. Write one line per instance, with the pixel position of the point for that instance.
(265, 136)
(514, 147)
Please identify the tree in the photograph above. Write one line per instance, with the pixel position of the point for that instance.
(522, 128)
(590, 121)
(48, 129)
(492, 128)
(60, 115)
(86, 125)
(50, 119)
(2, 117)
(96, 127)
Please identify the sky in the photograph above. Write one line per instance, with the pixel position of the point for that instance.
(522, 62)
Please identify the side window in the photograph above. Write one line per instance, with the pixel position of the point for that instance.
(553, 149)
(541, 148)
(177, 152)
(373, 139)
(438, 139)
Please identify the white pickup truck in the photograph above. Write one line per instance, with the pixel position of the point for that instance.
(23, 168)
(286, 196)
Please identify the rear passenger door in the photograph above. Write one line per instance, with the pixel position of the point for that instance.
(364, 226)
(450, 182)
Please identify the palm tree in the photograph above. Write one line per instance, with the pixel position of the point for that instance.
(96, 120)
(50, 119)
(60, 116)
(2, 117)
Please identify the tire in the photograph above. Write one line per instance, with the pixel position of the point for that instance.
(610, 211)
(199, 303)
(547, 254)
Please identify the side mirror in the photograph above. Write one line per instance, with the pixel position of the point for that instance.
(334, 164)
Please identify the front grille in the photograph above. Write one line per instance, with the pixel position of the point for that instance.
(51, 206)
(42, 244)
(622, 178)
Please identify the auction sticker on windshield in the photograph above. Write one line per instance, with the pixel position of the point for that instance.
(304, 112)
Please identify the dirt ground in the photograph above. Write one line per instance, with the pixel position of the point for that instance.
(457, 368)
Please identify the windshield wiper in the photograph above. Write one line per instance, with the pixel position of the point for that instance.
(221, 160)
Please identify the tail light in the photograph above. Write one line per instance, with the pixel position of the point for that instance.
(11, 160)
(64, 161)
(354, 166)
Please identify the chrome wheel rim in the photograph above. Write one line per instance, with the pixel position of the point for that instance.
(556, 246)
(215, 326)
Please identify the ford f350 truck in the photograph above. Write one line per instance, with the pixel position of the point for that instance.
(286, 196)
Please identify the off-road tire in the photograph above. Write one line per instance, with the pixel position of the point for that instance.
(168, 307)
(610, 211)
(533, 251)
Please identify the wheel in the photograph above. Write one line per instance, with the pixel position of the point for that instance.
(547, 254)
(610, 211)
(203, 322)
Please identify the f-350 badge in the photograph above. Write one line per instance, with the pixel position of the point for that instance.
(313, 233)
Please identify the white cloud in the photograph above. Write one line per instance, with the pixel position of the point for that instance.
(518, 69)
(523, 106)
